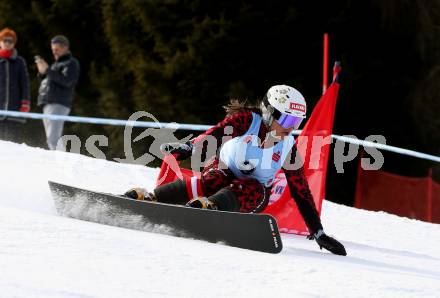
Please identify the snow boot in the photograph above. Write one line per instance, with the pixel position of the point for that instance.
(140, 194)
(202, 203)
(223, 200)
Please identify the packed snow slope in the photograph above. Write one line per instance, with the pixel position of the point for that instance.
(46, 255)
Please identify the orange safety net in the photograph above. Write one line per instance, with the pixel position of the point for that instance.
(417, 198)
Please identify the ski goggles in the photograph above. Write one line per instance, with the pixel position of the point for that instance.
(289, 121)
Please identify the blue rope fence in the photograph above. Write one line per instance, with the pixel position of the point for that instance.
(198, 127)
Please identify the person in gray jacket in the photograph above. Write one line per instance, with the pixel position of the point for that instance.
(57, 87)
(14, 87)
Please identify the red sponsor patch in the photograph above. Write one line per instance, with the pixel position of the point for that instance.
(298, 107)
(276, 156)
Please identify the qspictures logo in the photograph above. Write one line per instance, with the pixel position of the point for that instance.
(160, 133)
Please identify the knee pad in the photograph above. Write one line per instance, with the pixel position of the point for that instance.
(251, 195)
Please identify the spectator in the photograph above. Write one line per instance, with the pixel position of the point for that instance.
(57, 87)
(14, 87)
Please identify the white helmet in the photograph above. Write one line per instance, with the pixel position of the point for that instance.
(284, 104)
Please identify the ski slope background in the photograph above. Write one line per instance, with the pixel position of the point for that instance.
(46, 255)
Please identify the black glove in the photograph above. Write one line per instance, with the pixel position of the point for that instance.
(180, 150)
(329, 243)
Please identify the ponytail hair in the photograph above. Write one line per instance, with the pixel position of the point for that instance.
(235, 106)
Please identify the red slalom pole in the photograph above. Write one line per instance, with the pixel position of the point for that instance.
(325, 64)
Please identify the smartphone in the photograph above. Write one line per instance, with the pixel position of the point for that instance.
(37, 57)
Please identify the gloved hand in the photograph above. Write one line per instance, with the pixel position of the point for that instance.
(25, 106)
(329, 243)
(180, 150)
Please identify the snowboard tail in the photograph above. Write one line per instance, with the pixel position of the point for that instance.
(249, 231)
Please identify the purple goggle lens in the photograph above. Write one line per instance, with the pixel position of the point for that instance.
(289, 121)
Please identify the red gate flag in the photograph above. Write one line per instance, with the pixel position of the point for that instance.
(314, 146)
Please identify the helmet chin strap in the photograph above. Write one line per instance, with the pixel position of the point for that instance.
(267, 117)
(267, 113)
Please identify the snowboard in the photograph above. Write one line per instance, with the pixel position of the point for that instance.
(257, 232)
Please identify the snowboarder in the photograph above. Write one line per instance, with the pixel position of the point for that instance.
(240, 176)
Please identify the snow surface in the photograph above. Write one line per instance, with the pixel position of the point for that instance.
(46, 255)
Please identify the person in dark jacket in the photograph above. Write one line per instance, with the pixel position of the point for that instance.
(14, 87)
(57, 87)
